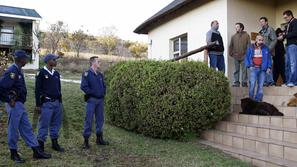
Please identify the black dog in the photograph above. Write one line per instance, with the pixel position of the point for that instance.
(253, 107)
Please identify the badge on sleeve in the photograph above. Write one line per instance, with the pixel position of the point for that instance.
(12, 75)
(86, 74)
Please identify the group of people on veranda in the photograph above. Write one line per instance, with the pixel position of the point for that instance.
(262, 62)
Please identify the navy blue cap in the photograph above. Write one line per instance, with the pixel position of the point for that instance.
(49, 57)
(20, 54)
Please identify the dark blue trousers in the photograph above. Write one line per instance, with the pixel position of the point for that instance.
(18, 123)
(50, 120)
(94, 107)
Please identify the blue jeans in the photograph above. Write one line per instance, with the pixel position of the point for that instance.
(50, 120)
(256, 75)
(18, 123)
(94, 107)
(291, 64)
(217, 61)
(269, 78)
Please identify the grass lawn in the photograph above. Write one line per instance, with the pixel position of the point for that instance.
(127, 149)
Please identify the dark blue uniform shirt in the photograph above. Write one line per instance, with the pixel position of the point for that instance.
(47, 85)
(13, 83)
(93, 84)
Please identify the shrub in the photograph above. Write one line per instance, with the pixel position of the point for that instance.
(166, 99)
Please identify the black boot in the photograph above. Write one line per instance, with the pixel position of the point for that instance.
(100, 141)
(56, 146)
(41, 145)
(15, 156)
(38, 154)
(86, 143)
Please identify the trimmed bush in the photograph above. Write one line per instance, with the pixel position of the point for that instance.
(166, 99)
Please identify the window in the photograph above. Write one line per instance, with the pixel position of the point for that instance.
(6, 35)
(179, 45)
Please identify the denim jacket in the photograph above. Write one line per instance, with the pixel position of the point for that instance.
(266, 57)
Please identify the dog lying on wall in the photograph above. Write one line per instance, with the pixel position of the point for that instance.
(293, 101)
(252, 107)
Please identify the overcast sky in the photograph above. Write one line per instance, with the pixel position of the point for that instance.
(125, 15)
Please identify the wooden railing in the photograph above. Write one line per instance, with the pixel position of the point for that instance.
(194, 51)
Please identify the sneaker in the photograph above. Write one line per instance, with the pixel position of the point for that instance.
(244, 85)
(290, 85)
(235, 85)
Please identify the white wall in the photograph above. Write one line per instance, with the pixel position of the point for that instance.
(195, 23)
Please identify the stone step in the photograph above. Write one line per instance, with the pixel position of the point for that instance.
(272, 91)
(254, 158)
(273, 121)
(278, 101)
(288, 135)
(269, 147)
(287, 111)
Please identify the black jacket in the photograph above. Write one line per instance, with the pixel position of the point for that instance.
(291, 34)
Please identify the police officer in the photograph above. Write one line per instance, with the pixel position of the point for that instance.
(49, 102)
(92, 84)
(14, 92)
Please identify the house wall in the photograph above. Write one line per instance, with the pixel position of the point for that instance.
(195, 23)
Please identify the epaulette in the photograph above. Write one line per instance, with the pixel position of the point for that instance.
(86, 73)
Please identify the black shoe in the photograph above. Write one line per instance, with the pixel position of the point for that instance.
(56, 146)
(38, 154)
(266, 84)
(235, 85)
(16, 157)
(41, 145)
(86, 143)
(100, 141)
(244, 85)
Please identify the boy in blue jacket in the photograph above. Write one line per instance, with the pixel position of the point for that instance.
(258, 61)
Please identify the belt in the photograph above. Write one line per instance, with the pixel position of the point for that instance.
(48, 99)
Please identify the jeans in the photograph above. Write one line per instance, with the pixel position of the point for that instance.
(217, 61)
(269, 78)
(291, 64)
(256, 75)
(237, 65)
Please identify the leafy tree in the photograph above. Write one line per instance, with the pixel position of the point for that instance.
(138, 49)
(56, 32)
(108, 40)
(79, 39)
(17, 41)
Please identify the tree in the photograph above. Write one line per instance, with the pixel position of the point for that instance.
(17, 38)
(79, 38)
(138, 49)
(108, 40)
(56, 32)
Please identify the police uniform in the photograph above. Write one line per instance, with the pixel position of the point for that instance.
(13, 87)
(92, 84)
(48, 97)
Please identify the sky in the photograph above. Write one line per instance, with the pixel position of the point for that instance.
(93, 15)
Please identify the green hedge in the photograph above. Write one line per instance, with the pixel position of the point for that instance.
(166, 99)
